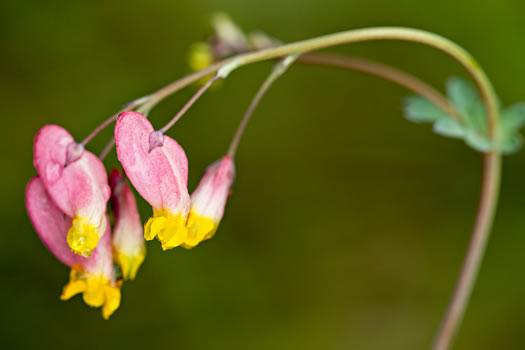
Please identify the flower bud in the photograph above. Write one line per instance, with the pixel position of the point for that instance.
(80, 189)
(208, 201)
(94, 276)
(128, 238)
(159, 176)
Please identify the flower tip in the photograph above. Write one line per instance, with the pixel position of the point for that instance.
(73, 153)
(209, 200)
(156, 139)
(112, 302)
(96, 290)
(130, 264)
(200, 228)
(170, 229)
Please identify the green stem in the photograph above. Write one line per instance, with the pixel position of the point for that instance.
(111, 119)
(383, 71)
(475, 252)
(188, 104)
(492, 164)
(351, 36)
(277, 71)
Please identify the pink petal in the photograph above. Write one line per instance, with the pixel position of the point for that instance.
(50, 223)
(101, 261)
(160, 176)
(209, 199)
(128, 234)
(80, 189)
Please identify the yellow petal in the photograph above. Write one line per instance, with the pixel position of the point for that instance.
(112, 300)
(170, 229)
(97, 290)
(200, 228)
(129, 263)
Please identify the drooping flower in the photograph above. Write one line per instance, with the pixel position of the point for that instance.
(157, 167)
(79, 189)
(93, 276)
(128, 238)
(208, 201)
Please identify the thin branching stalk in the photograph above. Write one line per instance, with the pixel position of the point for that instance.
(190, 103)
(383, 71)
(477, 246)
(277, 71)
(492, 168)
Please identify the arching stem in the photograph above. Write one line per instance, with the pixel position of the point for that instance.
(492, 169)
(111, 119)
(475, 252)
(383, 71)
(277, 71)
(190, 103)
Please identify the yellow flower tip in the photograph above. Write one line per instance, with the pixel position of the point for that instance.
(200, 228)
(170, 229)
(112, 294)
(82, 237)
(76, 284)
(129, 264)
(96, 290)
(200, 56)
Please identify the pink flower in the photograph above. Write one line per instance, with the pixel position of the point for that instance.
(128, 239)
(159, 171)
(79, 190)
(208, 201)
(93, 276)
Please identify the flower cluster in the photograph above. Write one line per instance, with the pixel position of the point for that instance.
(67, 204)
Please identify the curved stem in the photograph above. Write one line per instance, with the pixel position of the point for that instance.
(476, 249)
(351, 63)
(107, 149)
(113, 118)
(489, 192)
(179, 84)
(383, 71)
(351, 36)
(345, 62)
(188, 104)
(492, 169)
(277, 71)
(99, 128)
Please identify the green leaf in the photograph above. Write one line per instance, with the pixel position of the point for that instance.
(513, 118)
(420, 110)
(511, 144)
(462, 94)
(465, 98)
(478, 142)
(477, 118)
(472, 125)
(449, 127)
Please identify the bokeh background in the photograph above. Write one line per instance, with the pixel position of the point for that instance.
(347, 225)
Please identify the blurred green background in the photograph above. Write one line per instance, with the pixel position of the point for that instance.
(347, 225)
